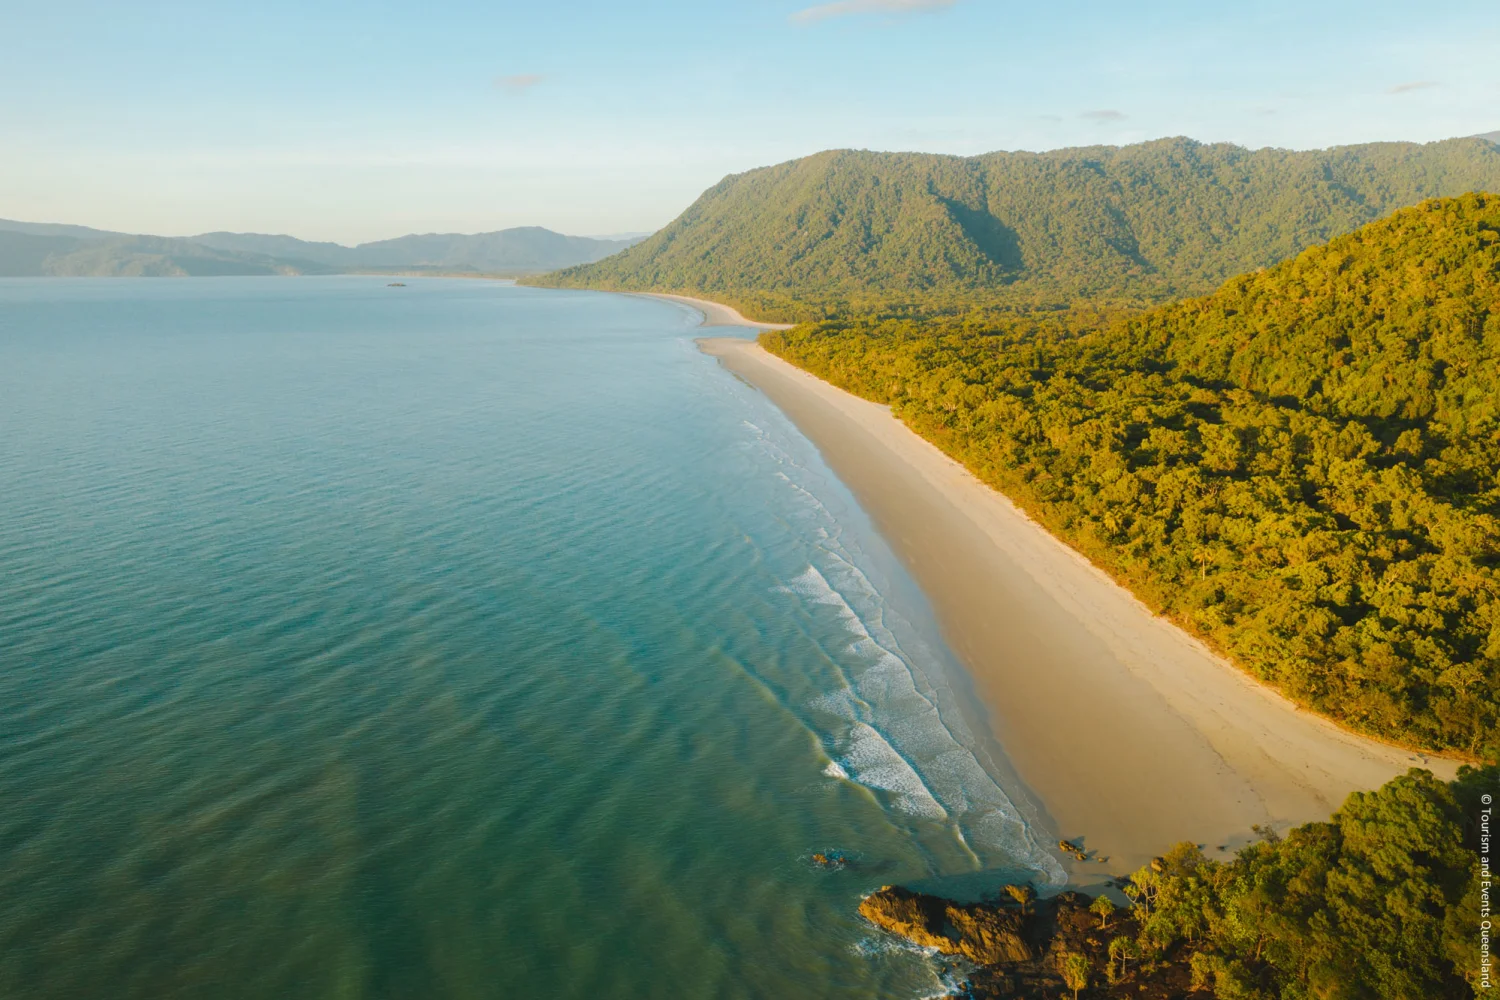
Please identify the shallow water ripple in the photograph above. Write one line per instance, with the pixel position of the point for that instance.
(446, 641)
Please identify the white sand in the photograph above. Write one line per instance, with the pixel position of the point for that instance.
(715, 313)
(1125, 731)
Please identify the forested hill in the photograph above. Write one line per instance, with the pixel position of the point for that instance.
(1303, 467)
(25, 254)
(40, 248)
(1146, 222)
(525, 249)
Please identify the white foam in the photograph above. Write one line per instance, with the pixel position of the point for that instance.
(873, 762)
(891, 733)
(897, 739)
(948, 972)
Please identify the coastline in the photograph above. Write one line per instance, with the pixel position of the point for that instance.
(714, 313)
(1127, 734)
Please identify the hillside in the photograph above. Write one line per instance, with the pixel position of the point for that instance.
(1145, 222)
(333, 255)
(78, 250)
(55, 229)
(1303, 468)
(108, 255)
(520, 250)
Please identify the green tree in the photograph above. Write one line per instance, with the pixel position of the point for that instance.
(1023, 894)
(1378, 902)
(1075, 972)
(847, 231)
(1299, 468)
(1121, 951)
(1103, 907)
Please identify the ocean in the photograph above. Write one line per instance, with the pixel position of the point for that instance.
(451, 640)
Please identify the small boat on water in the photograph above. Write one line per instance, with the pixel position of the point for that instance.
(396, 284)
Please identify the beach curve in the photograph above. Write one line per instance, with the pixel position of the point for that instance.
(714, 313)
(1127, 733)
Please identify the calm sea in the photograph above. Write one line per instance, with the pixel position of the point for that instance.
(454, 640)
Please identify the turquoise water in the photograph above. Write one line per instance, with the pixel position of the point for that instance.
(455, 640)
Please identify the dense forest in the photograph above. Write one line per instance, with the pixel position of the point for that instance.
(1378, 903)
(1381, 901)
(1301, 467)
(850, 230)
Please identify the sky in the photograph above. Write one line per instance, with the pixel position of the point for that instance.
(358, 121)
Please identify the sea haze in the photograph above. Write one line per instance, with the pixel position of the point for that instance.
(455, 639)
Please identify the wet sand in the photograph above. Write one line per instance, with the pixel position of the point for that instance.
(1127, 733)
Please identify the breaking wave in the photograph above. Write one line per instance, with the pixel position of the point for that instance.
(882, 725)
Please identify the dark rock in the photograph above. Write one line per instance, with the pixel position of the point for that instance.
(984, 934)
(1019, 954)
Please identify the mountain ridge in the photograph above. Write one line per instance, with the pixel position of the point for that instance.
(32, 255)
(40, 248)
(517, 248)
(1145, 223)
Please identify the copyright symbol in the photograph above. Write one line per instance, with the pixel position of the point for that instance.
(1485, 799)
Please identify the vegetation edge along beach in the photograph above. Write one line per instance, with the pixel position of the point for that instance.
(1299, 469)
(1285, 916)
(937, 343)
(1335, 534)
(1380, 901)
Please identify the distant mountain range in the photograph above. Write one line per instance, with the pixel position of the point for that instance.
(41, 248)
(1491, 136)
(1142, 223)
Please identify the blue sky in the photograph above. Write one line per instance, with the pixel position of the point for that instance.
(351, 122)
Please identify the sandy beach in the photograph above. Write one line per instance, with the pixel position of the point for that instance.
(1126, 733)
(715, 313)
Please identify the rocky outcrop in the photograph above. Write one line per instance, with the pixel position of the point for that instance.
(989, 936)
(1019, 951)
(984, 934)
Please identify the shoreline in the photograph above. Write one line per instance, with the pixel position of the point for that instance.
(714, 313)
(1127, 734)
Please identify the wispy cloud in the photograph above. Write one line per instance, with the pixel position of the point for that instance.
(844, 8)
(518, 84)
(1104, 115)
(1407, 88)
